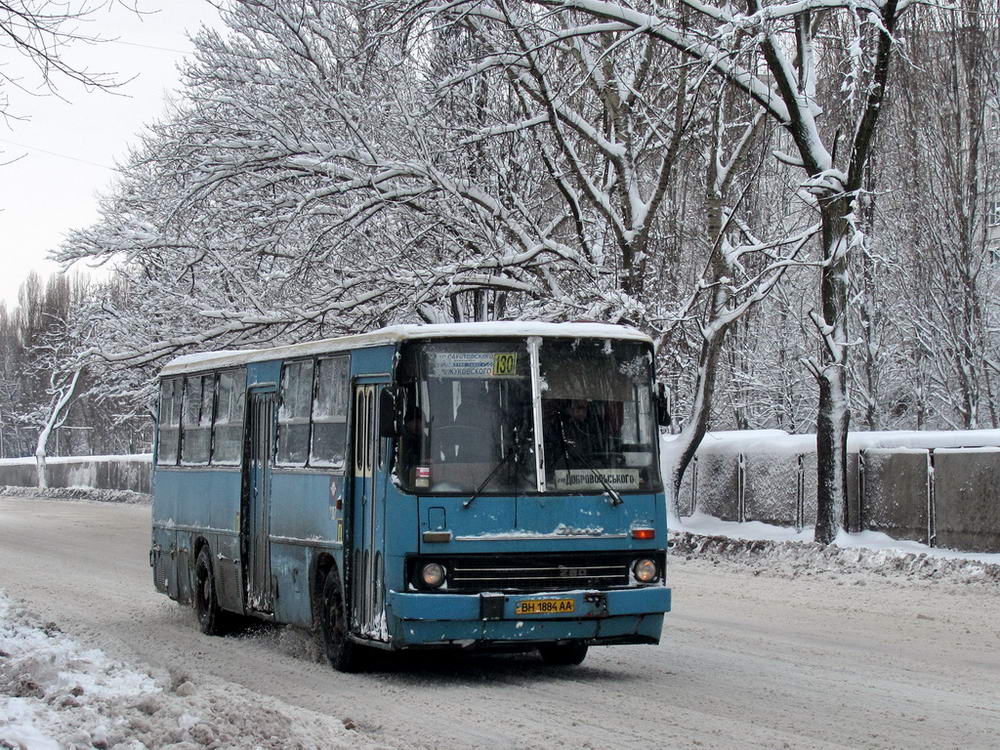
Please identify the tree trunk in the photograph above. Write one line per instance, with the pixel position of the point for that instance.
(697, 424)
(61, 401)
(833, 420)
(41, 471)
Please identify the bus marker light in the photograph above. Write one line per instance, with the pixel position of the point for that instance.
(643, 533)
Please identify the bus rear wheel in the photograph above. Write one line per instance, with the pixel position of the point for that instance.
(343, 653)
(563, 654)
(211, 618)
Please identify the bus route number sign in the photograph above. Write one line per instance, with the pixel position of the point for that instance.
(504, 364)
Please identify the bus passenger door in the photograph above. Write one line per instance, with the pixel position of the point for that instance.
(256, 511)
(368, 503)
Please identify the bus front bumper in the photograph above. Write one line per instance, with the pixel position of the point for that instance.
(482, 620)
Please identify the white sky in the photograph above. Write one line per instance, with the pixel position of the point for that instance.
(68, 148)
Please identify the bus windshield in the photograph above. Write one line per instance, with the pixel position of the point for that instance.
(468, 423)
(598, 415)
(468, 418)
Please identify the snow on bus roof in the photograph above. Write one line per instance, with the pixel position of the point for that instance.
(393, 334)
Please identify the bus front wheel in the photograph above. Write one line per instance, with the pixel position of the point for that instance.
(343, 653)
(563, 654)
(211, 619)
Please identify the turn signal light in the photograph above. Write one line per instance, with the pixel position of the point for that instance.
(643, 533)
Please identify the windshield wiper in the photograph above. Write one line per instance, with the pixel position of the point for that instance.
(515, 449)
(616, 499)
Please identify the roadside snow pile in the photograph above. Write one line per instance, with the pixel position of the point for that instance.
(56, 694)
(800, 558)
(78, 493)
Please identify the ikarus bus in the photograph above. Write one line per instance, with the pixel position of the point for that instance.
(487, 486)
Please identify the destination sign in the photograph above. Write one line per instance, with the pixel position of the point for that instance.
(587, 479)
(472, 364)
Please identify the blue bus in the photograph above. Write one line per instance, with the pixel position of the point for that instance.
(476, 485)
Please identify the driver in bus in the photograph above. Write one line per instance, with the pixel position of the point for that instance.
(577, 434)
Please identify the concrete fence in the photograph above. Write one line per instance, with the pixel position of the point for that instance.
(99, 472)
(939, 488)
(944, 493)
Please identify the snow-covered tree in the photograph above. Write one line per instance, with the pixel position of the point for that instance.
(47, 35)
(950, 168)
(322, 174)
(335, 166)
(786, 58)
(307, 185)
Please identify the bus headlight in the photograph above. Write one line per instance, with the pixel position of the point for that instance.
(432, 575)
(645, 570)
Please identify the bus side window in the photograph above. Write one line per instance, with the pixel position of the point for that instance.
(169, 421)
(329, 413)
(196, 419)
(369, 424)
(293, 414)
(360, 438)
(227, 440)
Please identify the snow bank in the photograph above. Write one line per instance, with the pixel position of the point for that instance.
(53, 693)
(79, 493)
(56, 694)
(784, 551)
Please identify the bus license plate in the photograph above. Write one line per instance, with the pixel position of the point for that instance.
(545, 607)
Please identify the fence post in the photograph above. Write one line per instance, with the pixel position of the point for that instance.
(931, 501)
(741, 509)
(693, 466)
(800, 494)
(862, 490)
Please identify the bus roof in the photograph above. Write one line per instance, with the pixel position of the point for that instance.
(232, 358)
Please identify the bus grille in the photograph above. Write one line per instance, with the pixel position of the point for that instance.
(536, 572)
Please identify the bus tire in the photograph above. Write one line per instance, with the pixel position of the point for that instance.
(563, 655)
(211, 619)
(343, 653)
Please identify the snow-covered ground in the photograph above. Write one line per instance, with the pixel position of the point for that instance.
(760, 544)
(799, 649)
(56, 693)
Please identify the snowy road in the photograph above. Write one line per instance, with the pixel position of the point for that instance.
(825, 660)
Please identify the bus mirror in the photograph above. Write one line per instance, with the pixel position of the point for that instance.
(662, 405)
(388, 413)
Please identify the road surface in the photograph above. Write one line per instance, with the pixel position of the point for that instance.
(829, 660)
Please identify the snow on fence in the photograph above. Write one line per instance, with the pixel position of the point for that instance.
(939, 488)
(133, 472)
